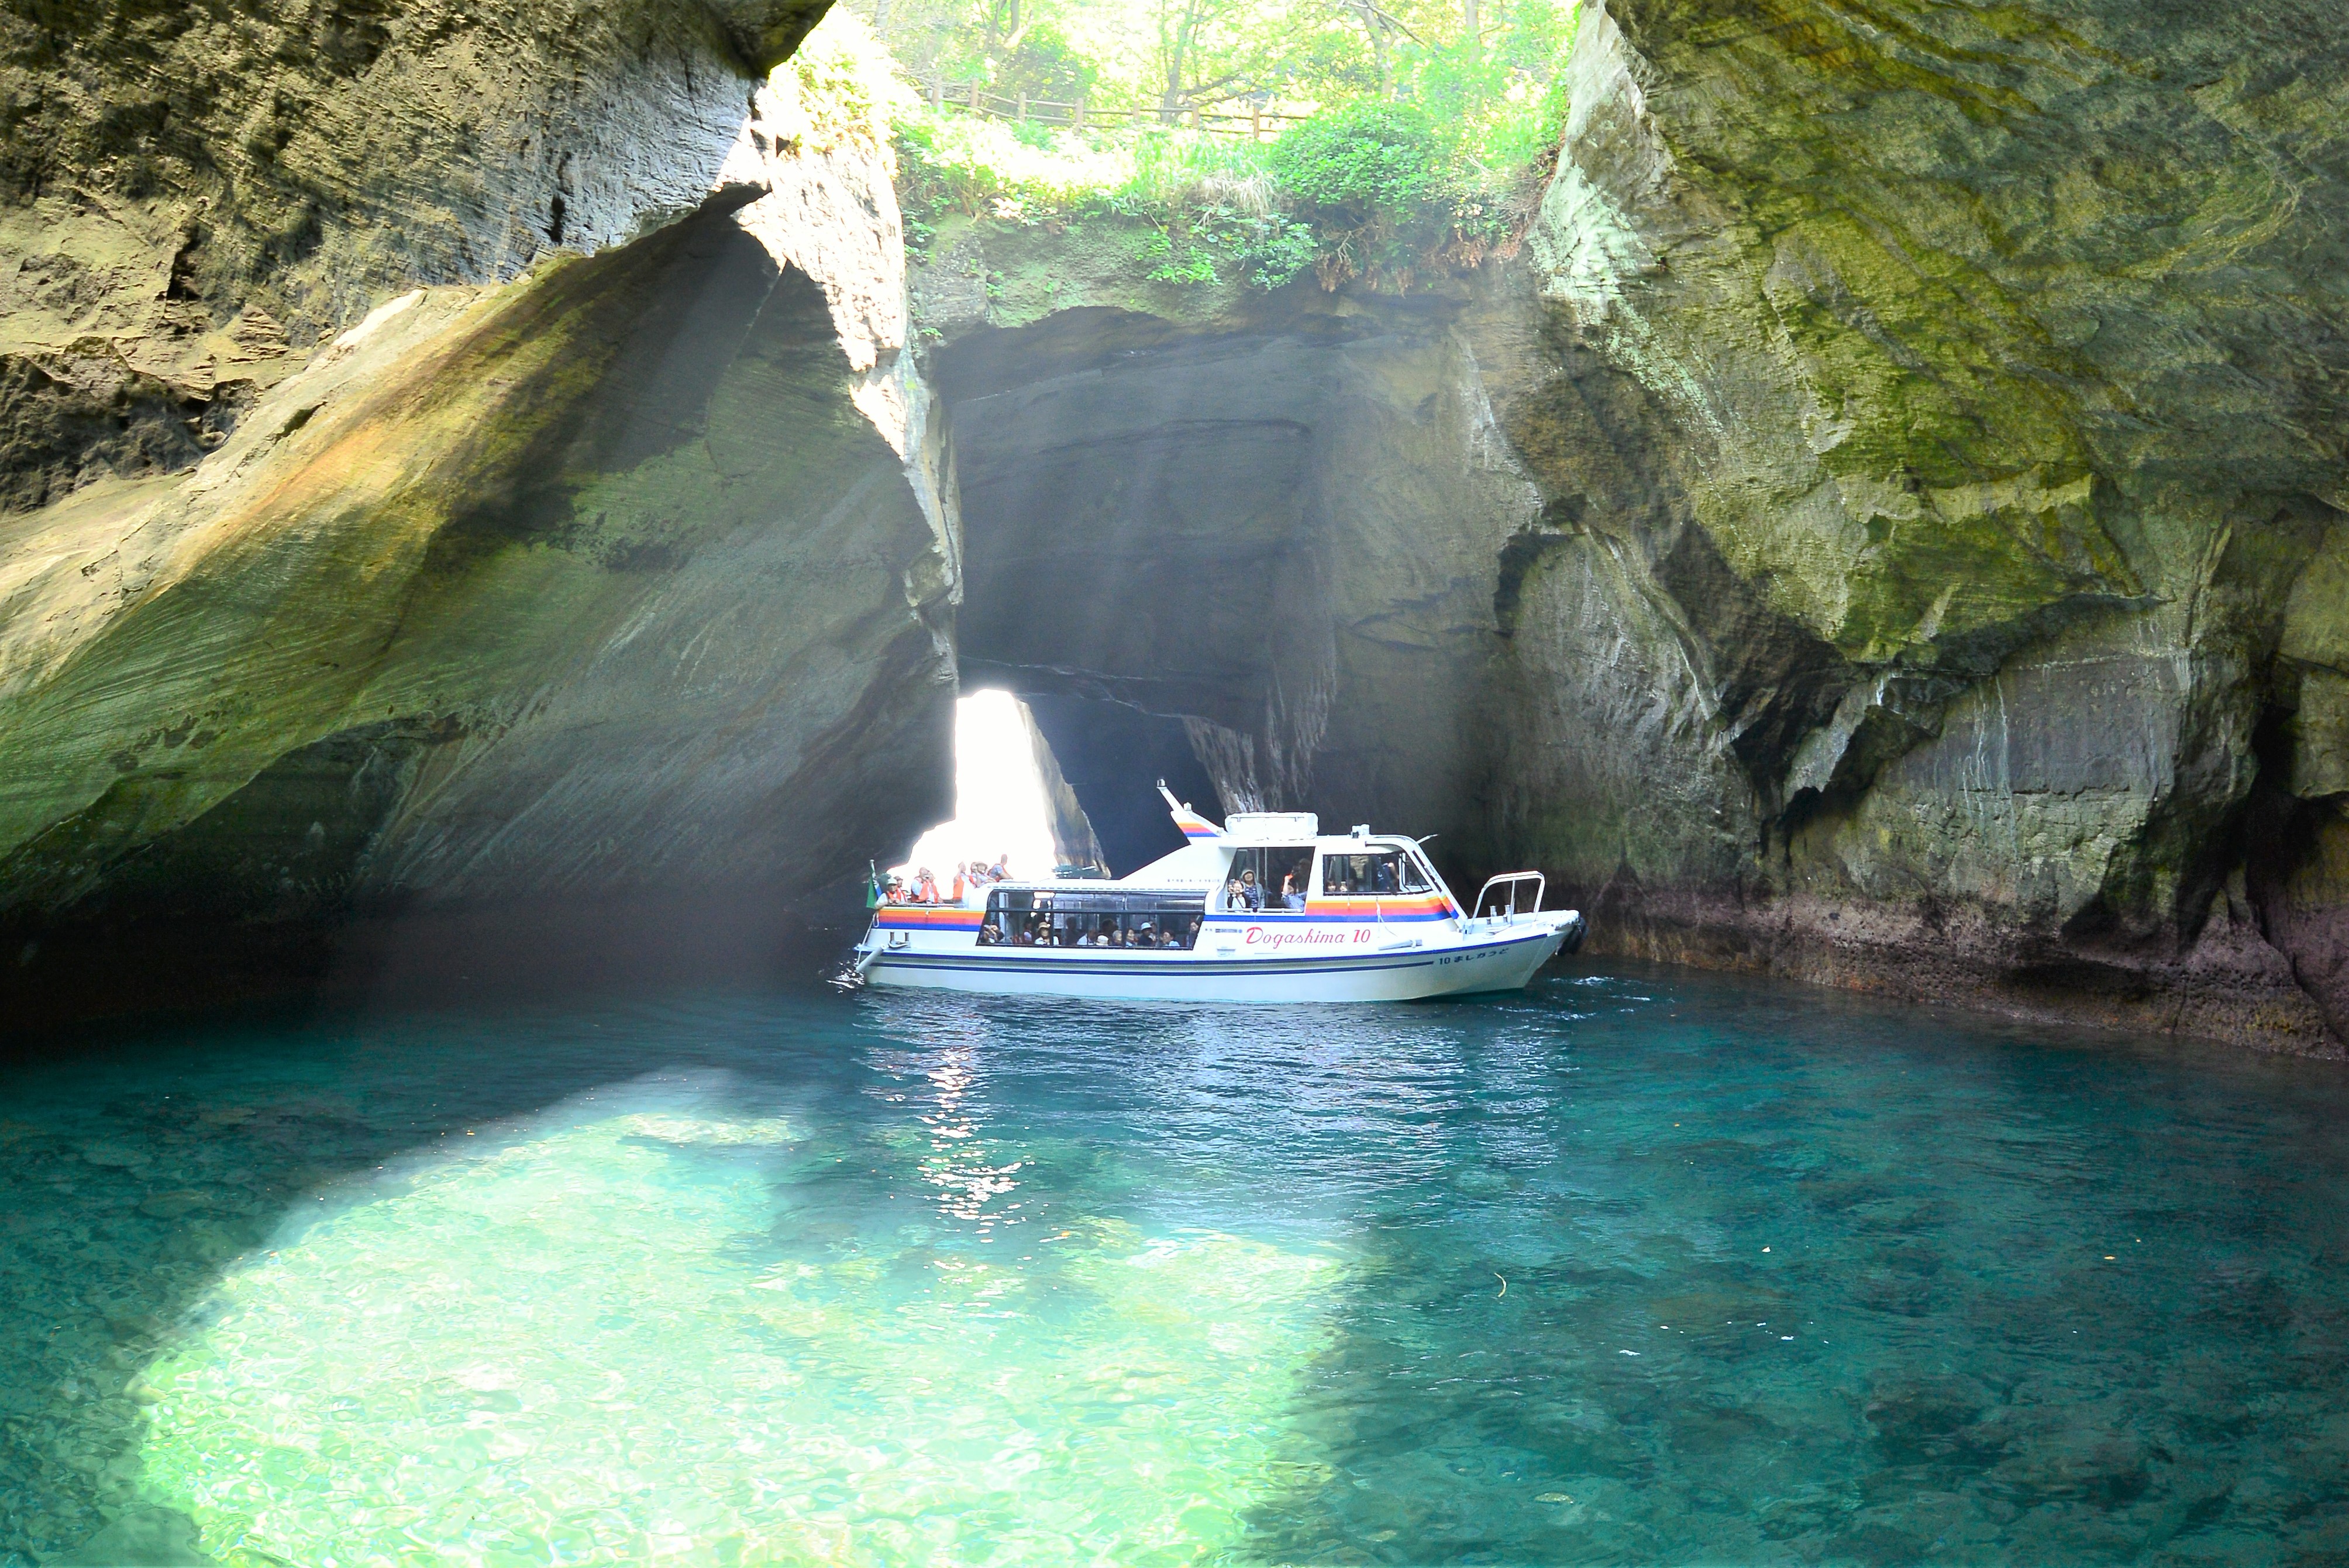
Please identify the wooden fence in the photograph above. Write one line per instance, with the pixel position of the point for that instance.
(973, 98)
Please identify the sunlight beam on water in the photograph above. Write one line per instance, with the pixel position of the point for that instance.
(658, 1324)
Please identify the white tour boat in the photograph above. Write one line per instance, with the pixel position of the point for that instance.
(1262, 909)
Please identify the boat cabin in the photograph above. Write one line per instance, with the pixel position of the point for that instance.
(1268, 866)
(1266, 907)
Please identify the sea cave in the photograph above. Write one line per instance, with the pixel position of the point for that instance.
(503, 504)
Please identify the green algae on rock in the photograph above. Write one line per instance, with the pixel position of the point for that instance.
(1992, 352)
(1883, 525)
(629, 575)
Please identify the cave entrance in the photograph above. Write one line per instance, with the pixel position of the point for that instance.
(1010, 800)
(1112, 756)
(1143, 558)
(1256, 560)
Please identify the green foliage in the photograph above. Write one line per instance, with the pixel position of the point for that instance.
(1390, 198)
(840, 86)
(1196, 266)
(1368, 155)
(1045, 65)
(1272, 250)
(1265, 249)
(1422, 151)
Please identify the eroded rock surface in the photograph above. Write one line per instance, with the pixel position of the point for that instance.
(1882, 527)
(1277, 520)
(627, 578)
(1962, 387)
(191, 197)
(1885, 524)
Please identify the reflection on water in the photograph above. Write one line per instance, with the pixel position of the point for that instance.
(1651, 1269)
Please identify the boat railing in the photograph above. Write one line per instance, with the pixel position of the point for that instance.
(1510, 882)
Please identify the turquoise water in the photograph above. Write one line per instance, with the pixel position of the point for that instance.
(1632, 1268)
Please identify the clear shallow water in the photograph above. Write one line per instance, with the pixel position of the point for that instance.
(1633, 1269)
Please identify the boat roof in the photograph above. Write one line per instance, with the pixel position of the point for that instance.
(1199, 864)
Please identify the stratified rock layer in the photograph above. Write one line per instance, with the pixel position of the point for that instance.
(1882, 527)
(622, 580)
(1962, 388)
(1276, 520)
(191, 197)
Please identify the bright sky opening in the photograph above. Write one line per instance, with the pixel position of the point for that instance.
(999, 804)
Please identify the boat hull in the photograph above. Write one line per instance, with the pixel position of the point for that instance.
(1503, 959)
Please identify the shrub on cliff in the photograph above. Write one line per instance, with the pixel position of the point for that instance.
(840, 86)
(1369, 157)
(1390, 196)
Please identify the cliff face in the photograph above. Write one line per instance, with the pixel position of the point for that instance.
(191, 197)
(1883, 527)
(1885, 524)
(1274, 523)
(625, 577)
(1946, 406)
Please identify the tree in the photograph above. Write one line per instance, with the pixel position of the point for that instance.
(1000, 19)
(1189, 32)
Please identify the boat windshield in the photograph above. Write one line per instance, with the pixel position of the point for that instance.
(1374, 873)
(1028, 917)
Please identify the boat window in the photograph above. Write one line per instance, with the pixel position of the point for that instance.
(1269, 877)
(1037, 919)
(1372, 873)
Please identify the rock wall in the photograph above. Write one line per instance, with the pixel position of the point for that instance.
(627, 578)
(1883, 527)
(1074, 843)
(1276, 518)
(1938, 418)
(193, 197)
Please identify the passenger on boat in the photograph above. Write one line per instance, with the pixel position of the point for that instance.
(1292, 885)
(925, 886)
(1251, 892)
(1001, 870)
